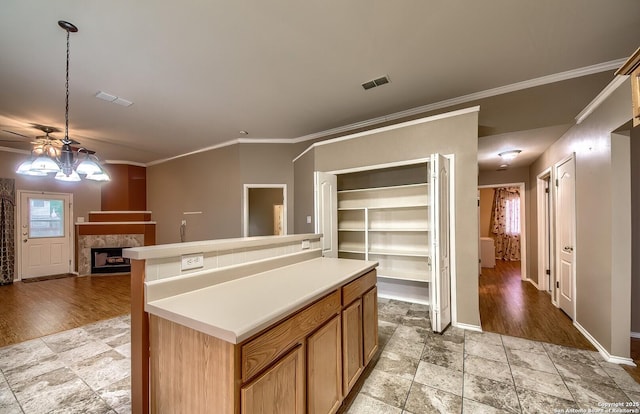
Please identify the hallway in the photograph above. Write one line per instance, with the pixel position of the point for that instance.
(511, 306)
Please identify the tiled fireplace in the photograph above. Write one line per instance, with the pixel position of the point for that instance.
(112, 229)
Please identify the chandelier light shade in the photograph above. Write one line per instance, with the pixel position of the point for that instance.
(67, 163)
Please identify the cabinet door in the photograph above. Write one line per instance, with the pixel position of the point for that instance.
(352, 362)
(324, 369)
(370, 324)
(279, 390)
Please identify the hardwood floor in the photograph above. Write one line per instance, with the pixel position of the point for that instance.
(635, 355)
(32, 310)
(511, 306)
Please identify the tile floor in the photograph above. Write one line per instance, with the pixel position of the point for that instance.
(87, 370)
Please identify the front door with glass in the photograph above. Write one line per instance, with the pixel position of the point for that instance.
(45, 238)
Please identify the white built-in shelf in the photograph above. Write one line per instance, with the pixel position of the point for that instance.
(394, 187)
(399, 206)
(400, 275)
(400, 230)
(351, 251)
(389, 224)
(409, 253)
(400, 196)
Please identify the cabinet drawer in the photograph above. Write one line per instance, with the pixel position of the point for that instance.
(263, 350)
(358, 287)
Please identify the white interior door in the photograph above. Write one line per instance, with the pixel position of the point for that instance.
(565, 234)
(326, 205)
(45, 236)
(440, 289)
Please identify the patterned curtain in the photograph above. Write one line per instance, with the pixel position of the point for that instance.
(7, 230)
(505, 223)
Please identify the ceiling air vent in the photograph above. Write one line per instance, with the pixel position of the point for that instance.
(376, 82)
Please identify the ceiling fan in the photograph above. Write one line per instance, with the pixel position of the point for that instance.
(40, 140)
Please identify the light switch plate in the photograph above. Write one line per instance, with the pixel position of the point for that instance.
(308, 219)
(192, 261)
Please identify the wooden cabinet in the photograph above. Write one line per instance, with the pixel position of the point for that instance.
(306, 363)
(359, 327)
(370, 324)
(324, 369)
(278, 390)
(352, 362)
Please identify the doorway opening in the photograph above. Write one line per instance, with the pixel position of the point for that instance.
(502, 227)
(546, 274)
(265, 210)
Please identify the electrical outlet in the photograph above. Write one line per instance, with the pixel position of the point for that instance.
(308, 219)
(192, 261)
(306, 244)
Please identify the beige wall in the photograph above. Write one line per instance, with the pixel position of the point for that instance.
(456, 135)
(635, 229)
(212, 182)
(208, 182)
(303, 169)
(603, 309)
(486, 204)
(86, 194)
(270, 164)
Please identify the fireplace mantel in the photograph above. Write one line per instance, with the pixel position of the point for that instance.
(112, 229)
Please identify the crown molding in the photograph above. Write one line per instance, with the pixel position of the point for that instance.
(601, 97)
(136, 164)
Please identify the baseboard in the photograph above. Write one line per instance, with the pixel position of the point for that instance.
(533, 283)
(403, 299)
(635, 335)
(605, 354)
(467, 326)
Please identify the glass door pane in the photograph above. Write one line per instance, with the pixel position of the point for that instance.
(46, 218)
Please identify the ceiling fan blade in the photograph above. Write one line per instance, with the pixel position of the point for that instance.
(16, 133)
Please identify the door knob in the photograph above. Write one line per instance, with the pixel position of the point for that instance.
(25, 240)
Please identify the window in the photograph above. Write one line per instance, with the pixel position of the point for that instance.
(46, 218)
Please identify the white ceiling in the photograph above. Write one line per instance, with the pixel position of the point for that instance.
(199, 71)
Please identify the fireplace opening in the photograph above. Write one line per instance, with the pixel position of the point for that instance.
(109, 260)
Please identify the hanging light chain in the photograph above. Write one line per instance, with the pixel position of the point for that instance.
(66, 105)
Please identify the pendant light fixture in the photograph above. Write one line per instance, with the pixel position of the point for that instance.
(46, 158)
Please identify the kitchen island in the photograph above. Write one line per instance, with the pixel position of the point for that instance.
(261, 338)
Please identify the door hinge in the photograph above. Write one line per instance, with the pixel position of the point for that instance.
(558, 284)
(556, 182)
(548, 271)
(546, 190)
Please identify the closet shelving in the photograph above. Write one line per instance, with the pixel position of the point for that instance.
(390, 225)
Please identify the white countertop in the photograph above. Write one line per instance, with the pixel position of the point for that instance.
(234, 311)
(178, 249)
